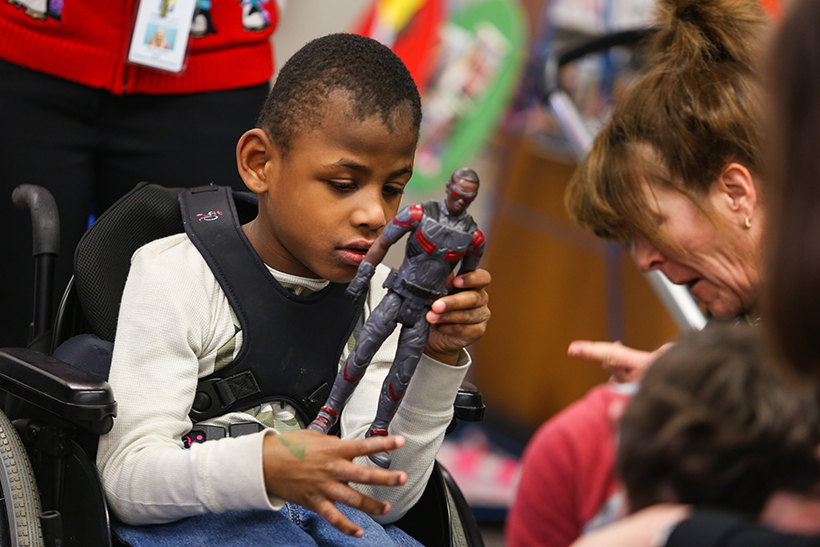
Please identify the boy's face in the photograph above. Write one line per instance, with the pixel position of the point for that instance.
(329, 198)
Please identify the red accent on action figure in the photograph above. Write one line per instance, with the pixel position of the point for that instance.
(391, 390)
(428, 246)
(348, 378)
(416, 212)
(478, 238)
(330, 411)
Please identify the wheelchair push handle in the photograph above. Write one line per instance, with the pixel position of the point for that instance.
(45, 220)
(45, 228)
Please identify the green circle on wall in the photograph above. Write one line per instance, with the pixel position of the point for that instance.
(482, 53)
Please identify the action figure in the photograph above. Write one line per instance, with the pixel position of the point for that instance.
(442, 234)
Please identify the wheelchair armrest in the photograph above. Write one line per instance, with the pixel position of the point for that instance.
(469, 406)
(59, 388)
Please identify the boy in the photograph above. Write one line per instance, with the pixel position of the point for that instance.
(714, 424)
(329, 162)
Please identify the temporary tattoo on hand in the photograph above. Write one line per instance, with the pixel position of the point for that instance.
(297, 452)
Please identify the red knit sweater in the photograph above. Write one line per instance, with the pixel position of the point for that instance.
(86, 41)
(568, 477)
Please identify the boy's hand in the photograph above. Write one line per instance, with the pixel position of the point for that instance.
(459, 319)
(312, 470)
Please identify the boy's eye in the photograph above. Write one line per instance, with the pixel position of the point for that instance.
(342, 186)
(393, 191)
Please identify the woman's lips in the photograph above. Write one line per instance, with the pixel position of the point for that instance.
(694, 288)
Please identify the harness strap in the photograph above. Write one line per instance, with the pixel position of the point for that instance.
(290, 344)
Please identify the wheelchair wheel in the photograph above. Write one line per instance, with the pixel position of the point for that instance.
(19, 498)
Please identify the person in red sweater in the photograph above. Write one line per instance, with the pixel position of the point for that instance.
(575, 489)
(79, 119)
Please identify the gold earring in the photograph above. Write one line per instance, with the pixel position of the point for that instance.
(748, 222)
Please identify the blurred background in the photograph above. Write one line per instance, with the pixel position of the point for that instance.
(480, 65)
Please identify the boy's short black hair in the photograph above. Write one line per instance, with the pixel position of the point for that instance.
(377, 80)
(714, 423)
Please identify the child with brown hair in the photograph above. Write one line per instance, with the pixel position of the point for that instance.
(716, 424)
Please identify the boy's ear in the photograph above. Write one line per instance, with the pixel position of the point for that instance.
(253, 153)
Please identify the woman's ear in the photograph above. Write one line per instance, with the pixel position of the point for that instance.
(253, 153)
(737, 186)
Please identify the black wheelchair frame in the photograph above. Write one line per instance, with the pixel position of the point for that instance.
(49, 487)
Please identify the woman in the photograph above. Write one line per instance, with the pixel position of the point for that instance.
(791, 292)
(674, 173)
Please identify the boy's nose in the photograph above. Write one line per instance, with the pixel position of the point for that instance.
(369, 212)
(647, 256)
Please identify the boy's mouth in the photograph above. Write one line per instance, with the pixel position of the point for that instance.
(354, 253)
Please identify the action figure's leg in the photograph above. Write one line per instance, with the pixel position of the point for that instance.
(378, 327)
(411, 345)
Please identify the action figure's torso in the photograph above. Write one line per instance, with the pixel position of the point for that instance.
(434, 248)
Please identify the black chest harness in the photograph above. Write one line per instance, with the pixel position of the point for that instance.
(290, 344)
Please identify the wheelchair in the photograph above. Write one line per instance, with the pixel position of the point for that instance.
(50, 492)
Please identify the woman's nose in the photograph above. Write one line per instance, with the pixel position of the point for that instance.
(647, 256)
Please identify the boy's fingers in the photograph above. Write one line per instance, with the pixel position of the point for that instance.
(460, 317)
(328, 511)
(360, 474)
(464, 300)
(448, 283)
(371, 445)
(477, 279)
(347, 496)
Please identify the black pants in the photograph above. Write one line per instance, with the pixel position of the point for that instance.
(89, 147)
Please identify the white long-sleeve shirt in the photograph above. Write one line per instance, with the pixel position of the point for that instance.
(174, 325)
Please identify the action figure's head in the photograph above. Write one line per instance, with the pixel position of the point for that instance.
(372, 77)
(462, 189)
(331, 155)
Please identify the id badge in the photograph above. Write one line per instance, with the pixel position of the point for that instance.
(161, 31)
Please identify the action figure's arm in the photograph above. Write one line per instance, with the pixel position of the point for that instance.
(378, 250)
(367, 268)
(471, 260)
(407, 219)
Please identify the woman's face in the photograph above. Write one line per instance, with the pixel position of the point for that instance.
(716, 259)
